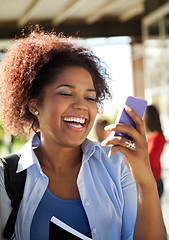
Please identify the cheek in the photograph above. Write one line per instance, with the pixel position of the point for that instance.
(93, 114)
(51, 112)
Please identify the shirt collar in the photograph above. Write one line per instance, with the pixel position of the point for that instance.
(91, 148)
(28, 157)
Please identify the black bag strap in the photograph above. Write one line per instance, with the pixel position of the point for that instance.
(14, 183)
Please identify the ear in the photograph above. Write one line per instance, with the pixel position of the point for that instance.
(33, 106)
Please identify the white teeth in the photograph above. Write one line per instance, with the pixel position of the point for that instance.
(75, 125)
(74, 119)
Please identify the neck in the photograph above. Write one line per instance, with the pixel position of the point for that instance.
(58, 158)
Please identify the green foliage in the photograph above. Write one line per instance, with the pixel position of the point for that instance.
(17, 143)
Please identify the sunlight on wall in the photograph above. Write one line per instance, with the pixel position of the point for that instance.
(116, 53)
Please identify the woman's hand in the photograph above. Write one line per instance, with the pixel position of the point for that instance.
(136, 159)
(149, 222)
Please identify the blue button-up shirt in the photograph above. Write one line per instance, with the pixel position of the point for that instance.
(106, 187)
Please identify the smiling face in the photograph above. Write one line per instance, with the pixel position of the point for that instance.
(68, 110)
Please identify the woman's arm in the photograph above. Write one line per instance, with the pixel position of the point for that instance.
(149, 221)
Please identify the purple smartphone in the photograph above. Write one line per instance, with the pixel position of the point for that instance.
(139, 107)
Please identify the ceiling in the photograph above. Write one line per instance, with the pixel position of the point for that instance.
(90, 18)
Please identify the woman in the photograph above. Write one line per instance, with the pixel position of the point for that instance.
(156, 142)
(55, 86)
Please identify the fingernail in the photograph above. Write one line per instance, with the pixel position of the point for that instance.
(109, 127)
(128, 108)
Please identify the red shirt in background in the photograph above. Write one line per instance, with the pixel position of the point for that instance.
(156, 142)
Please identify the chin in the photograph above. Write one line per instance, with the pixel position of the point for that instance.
(74, 143)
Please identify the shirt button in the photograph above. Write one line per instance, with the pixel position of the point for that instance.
(87, 203)
(94, 230)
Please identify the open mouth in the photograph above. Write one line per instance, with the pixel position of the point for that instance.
(77, 122)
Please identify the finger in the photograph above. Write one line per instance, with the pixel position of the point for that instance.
(128, 154)
(122, 128)
(138, 121)
(110, 127)
(119, 141)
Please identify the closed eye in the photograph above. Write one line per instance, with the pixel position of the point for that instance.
(91, 99)
(65, 94)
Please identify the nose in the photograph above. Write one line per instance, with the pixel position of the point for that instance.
(80, 104)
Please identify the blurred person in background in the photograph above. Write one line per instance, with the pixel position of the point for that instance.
(156, 143)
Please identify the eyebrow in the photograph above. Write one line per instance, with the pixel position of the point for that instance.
(71, 86)
(65, 85)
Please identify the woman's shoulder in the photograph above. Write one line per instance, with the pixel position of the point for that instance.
(115, 165)
(102, 154)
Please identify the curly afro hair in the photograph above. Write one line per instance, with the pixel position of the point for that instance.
(33, 62)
